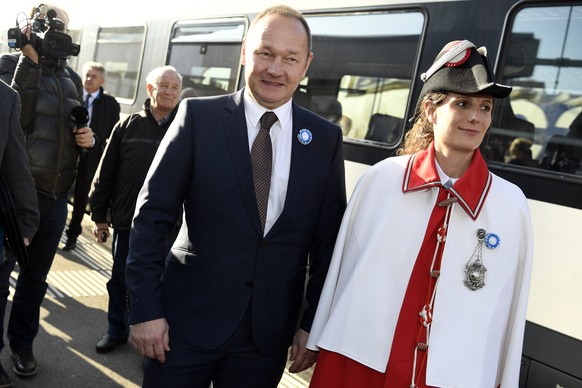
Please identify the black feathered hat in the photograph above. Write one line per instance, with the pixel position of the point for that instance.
(462, 68)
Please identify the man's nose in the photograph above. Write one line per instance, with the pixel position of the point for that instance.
(276, 67)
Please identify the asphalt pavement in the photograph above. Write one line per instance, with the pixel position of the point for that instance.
(73, 319)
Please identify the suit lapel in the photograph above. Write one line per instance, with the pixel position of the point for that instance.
(237, 138)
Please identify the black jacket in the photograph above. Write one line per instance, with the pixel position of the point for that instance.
(48, 92)
(14, 167)
(124, 165)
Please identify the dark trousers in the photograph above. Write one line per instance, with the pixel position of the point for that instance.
(31, 285)
(118, 299)
(236, 364)
(6, 267)
(80, 199)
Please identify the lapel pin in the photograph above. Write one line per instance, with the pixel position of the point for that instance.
(492, 240)
(304, 136)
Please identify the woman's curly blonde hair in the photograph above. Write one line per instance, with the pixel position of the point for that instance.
(421, 134)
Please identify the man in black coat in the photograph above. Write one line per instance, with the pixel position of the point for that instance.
(48, 90)
(124, 166)
(15, 172)
(104, 114)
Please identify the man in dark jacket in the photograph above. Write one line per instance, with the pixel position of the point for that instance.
(48, 92)
(124, 166)
(15, 172)
(104, 114)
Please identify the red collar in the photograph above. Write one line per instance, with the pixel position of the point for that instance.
(470, 190)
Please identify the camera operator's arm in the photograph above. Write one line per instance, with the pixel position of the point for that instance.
(26, 81)
(23, 75)
(29, 52)
(22, 72)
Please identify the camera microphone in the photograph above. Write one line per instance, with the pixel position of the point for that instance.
(80, 117)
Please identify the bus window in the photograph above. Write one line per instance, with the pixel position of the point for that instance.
(120, 50)
(541, 124)
(207, 54)
(360, 77)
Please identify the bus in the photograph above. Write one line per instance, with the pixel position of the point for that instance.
(365, 76)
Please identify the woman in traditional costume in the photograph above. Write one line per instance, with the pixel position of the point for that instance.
(429, 281)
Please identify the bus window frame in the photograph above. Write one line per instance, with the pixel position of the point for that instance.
(534, 180)
(139, 68)
(233, 20)
(370, 151)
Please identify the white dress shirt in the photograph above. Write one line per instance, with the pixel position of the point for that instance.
(281, 139)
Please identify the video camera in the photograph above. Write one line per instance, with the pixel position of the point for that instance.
(47, 35)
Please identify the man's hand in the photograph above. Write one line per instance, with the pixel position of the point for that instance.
(151, 338)
(84, 137)
(98, 229)
(302, 357)
(28, 50)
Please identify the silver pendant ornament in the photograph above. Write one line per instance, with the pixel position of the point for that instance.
(475, 271)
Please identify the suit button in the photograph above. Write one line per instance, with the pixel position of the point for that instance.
(250, 284)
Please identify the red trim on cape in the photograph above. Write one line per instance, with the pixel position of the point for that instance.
(470, 190)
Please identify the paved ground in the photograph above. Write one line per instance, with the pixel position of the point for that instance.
(73, 318)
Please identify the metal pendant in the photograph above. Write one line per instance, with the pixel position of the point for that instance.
(475, 275)
(475, 270)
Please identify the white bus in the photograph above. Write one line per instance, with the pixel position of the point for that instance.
(365, 77)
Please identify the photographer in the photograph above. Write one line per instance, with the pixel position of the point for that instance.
(48, 90)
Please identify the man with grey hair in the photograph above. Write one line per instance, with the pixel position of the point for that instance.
(103, 115)
(124, 165)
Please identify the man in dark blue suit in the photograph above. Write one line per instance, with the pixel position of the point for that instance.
(226, 303)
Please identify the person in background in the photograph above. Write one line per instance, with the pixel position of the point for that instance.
(262, 184)
(520, 152)
(49, 90)
(124, 166)
(103, 115)
(15, 172)
(429, 281)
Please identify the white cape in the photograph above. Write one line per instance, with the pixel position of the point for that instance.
(476, 336)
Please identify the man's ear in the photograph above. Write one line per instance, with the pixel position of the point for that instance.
(242, 52)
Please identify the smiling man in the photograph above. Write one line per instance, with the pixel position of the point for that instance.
(124, 166)
(262, 184)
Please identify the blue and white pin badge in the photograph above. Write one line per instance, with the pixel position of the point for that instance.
(492, 240)
(304, 136)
